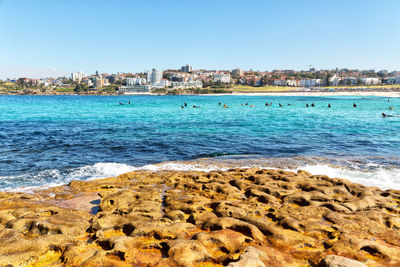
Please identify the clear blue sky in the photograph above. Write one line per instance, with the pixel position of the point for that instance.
(43, 37)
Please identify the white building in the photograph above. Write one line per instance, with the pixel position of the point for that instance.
(370, 81)
(135, 81)
(222, 78)
(334, 80)
(310, 82)
(77, 76)
(154, 76)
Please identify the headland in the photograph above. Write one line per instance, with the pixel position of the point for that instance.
(238, 217)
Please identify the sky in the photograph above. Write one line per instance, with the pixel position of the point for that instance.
(40, 38)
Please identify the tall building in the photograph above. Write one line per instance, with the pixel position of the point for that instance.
(237, 72)
(187, 68)
(154, 76)
(77, 76)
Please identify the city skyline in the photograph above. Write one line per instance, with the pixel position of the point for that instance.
(41, 39)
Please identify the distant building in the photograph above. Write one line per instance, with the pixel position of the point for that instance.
(77, 76)
(237, 72)
(154, 76)
(187, 68)
(334, 80)
(398, 80)
(135, 81)
(98, 82)
(350, 81)
(370, 81)
(310, 82)
(222, 77)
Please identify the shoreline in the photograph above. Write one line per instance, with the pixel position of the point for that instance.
(234, 217)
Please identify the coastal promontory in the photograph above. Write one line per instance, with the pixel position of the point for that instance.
(238, 217)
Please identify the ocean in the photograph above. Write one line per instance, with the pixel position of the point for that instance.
(51, 140)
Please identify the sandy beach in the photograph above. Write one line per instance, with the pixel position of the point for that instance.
(341, 93)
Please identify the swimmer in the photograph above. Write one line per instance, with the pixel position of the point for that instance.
(307, 105)
(129, 102)
(185, 104)
(196, 106)
(280, 105)
(289, 104)
(329, 105)
(266, 104)
(251, 106)
(354, 105)
(219, 104)
(182, 106)
(246, 104)
(225, 106)
(312, 105)
(391, 108)
(385, 115)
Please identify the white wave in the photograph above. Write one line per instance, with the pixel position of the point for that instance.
(380, 177)
(181, 166)
(375, 176)
(100, 170)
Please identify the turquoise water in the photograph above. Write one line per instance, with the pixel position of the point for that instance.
(53, 139)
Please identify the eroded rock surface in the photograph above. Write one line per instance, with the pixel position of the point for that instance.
(240, 217)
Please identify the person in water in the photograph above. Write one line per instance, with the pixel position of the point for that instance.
(196, 106)
(385, 115)
(307, 105)
(312, 104)
(354, 105)
(251, 105)
(225, 106)
(266, 104)
(185, 104)
(182, 106)
(219, 104)
(329, 105)
(280, 105)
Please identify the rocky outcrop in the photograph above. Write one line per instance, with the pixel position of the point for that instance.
(239, 217)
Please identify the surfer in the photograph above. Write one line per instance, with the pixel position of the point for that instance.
(385, 115)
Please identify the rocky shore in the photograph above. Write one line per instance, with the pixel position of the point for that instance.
(239, 217)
